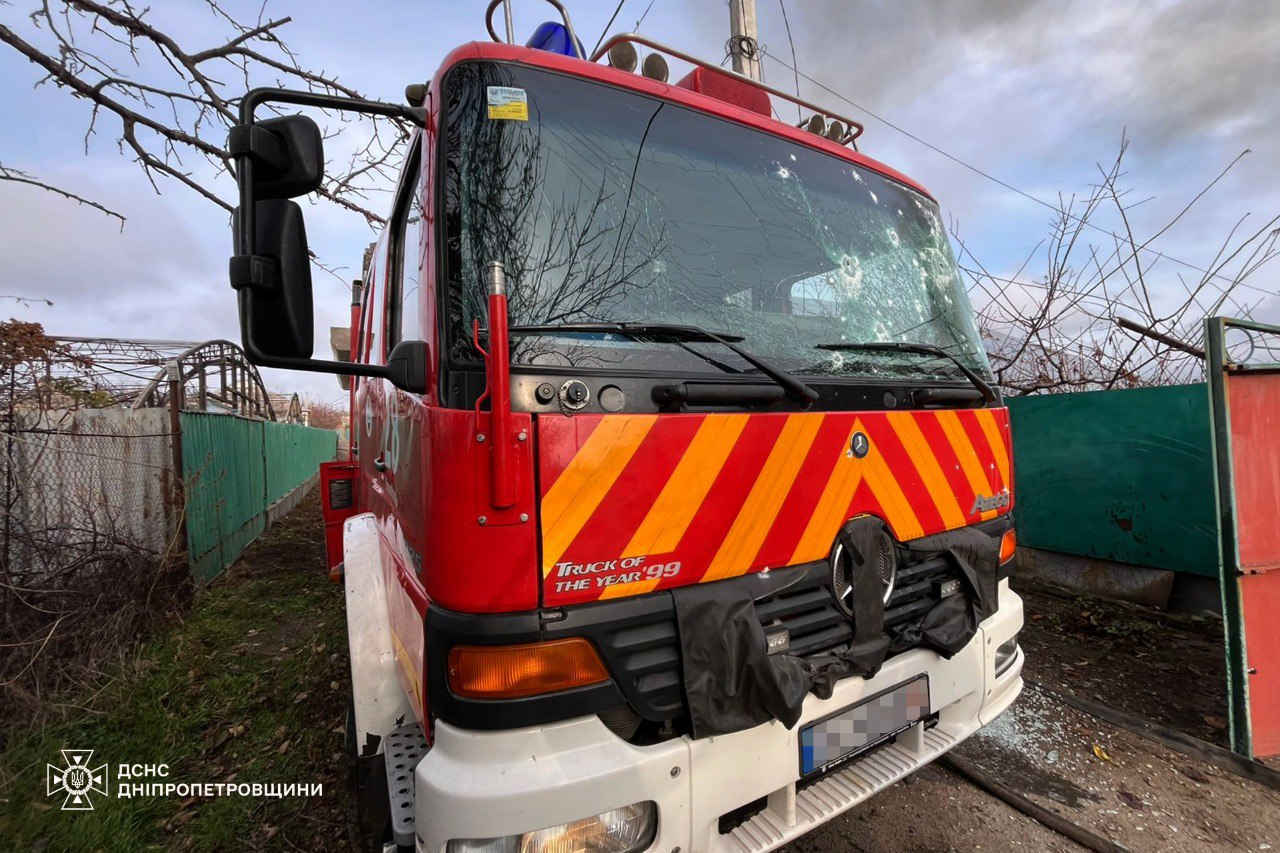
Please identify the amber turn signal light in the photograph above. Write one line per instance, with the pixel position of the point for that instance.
(1008, 546)
(509, 672)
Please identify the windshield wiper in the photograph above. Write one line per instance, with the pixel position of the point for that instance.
(678, 333)
(988, 393)
(573, 328)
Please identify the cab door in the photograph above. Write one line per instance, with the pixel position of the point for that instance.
(400, 469)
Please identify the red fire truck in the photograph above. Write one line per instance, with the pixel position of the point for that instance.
(678, 510)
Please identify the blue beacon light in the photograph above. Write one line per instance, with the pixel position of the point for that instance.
(554, 38)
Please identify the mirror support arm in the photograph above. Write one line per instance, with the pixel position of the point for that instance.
(313, 365)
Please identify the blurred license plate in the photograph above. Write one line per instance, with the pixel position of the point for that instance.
(863, 726)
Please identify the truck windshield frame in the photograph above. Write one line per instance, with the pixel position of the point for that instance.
(609, 205)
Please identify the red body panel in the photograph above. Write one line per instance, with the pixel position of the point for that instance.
(339, 486)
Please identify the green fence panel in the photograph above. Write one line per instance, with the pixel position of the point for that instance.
(294, 453)
(1123, 475)
(235, 469)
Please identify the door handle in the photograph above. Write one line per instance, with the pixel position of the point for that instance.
(379, 465)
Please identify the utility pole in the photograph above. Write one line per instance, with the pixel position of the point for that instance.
(744, 42)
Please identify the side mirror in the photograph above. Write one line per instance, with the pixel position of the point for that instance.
(276, 319)
(407, 366)
(278, 159)
(287, 154)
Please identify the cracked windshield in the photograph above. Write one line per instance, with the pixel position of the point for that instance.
(607, 206)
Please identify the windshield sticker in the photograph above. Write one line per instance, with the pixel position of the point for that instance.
(509, 103)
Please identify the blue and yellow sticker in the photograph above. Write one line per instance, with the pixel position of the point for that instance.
(509, 103)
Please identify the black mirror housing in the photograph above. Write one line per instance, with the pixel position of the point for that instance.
(407, 366)
(276, 315)
(287, 154)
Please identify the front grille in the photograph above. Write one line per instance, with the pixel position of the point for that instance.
(640, 643)
(917, 589)
(808, 611)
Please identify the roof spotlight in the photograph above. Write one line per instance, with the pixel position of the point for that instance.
(655, 67)
(623, 57)
(835, 132)
(816, 124)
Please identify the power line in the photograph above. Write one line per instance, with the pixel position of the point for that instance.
(795, 62)
(1006, 184)
(603, 32)
(636, 28)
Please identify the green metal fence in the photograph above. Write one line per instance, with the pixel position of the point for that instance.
(1123, 475)
(234, 470)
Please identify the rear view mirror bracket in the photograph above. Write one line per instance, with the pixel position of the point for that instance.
(257, 272)
(265, 147)
(407, 366)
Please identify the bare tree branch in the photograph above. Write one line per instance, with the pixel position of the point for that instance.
(1097, 319)
(174, 102)
(18, 176)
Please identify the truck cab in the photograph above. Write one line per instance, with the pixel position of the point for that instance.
(682, 501)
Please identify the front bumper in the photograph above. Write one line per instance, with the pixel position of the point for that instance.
(484, 784)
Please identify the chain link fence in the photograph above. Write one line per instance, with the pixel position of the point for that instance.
(88, 544)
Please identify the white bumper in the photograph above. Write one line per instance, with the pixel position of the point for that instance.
(489, 784)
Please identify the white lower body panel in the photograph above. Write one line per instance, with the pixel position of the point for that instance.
(490, 784)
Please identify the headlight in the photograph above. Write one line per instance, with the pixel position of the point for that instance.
(625, 830)
(1005, 653)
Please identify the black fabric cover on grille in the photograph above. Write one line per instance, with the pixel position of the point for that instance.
(862, 539)
(951, 624)
(730, 680)
(732, 683)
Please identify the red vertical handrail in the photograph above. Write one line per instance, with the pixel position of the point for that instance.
(501, 475)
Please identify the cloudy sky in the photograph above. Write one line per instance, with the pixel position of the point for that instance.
(1032, 92)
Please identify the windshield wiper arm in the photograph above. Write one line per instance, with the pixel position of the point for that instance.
(988, 393)
(674, 332)
(601, 328)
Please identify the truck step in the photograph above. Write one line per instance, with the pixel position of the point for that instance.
(405, 747)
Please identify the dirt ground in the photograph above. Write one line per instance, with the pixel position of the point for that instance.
(1120, 785)
(1166, 668)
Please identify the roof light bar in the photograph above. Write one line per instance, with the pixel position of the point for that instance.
(828, 117)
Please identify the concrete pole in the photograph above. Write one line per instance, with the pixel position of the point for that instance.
(744, 41)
